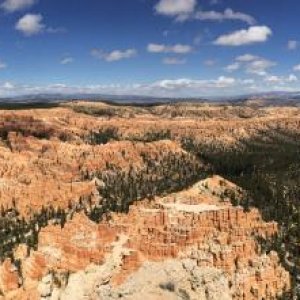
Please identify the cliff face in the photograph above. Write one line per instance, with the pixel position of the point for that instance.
(206, 241)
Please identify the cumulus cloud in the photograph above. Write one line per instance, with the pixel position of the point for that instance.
(8, 86)
(246, 58)
(233, 67)
(292, 45)
(114, 55)
(251, 64)
(175, 7)
(184, 83)
(174, 61)
(31, 24)
(248, 81)
(281, 80)
(182, 87)
(67, 60)
(273, 78)
(221, 86)
(166, 87)
(296, 68)
(292, 78)
(254, 34)
(161, 48)
(228, 14)
(259, 66)
(16, 5)
(184, 10)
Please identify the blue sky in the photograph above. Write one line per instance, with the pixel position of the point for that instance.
(149, 47)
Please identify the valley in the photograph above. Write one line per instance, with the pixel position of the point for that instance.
(114, 196)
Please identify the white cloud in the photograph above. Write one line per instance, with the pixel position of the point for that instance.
(292, 78)
(184, 10)
(251, 64)
(228, 14)
(67, 60)
(174, 61)
(166, 87)
(16, 5)
(175, 7)
(178, 48)
(273, 78)
(185, 83)
(246, 58)
(296, 68)
(281, 80)
(31, 24)
(8, 86)
(184, 87)
(248, 81)
(292, 45)
(254, 34)
(233, 67)
(114, 55)
(259, 66)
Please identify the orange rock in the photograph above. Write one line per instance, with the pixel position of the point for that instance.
(9, 278)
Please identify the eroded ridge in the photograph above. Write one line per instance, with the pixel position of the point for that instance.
(188, 245)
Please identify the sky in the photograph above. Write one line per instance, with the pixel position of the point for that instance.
(163, 48)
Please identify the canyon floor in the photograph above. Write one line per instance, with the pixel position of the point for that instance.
(164, 201)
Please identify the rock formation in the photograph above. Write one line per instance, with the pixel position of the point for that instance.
(191, 243)
(203, 247)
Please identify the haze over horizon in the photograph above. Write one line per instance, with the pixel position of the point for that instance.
(165, 48)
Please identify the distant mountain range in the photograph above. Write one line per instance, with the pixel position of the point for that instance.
(93, 97)
(258, 99)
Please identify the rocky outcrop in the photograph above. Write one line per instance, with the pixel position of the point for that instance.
(170, 280)
(9, 279)
(194, 233)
